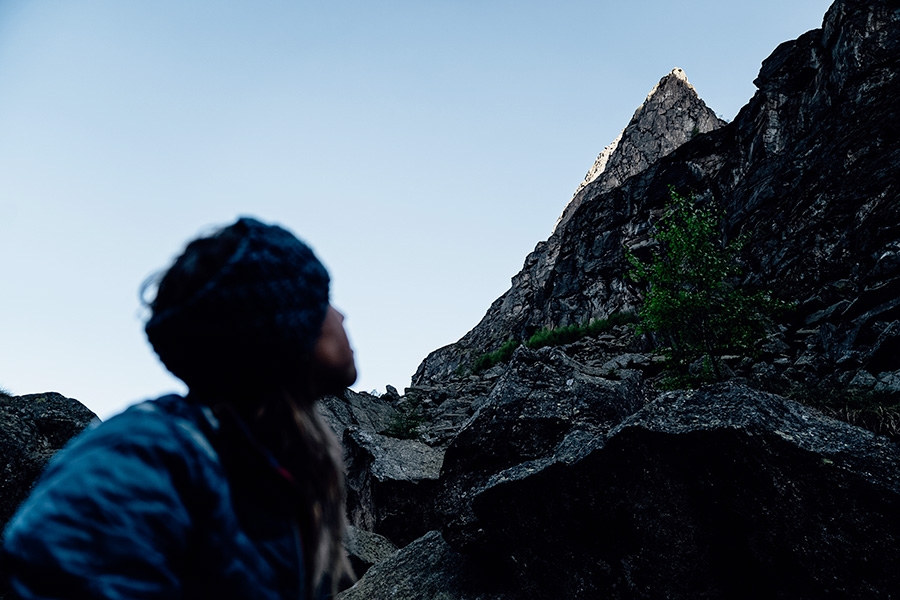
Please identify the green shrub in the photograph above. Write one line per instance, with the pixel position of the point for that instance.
(406, 423)
(552, 337)
(694, 303)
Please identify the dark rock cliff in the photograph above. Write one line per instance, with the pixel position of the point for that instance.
(806, 169)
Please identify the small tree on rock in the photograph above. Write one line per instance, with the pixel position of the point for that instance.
(694, 303)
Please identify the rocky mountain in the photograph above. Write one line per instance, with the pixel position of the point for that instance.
(671, 115)
(806, 170)
(565, 472)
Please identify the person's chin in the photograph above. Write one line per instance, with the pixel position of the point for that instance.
(350, 376)
(335, 381)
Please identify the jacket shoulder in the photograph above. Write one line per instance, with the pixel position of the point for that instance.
(167, 425)
(128, 491)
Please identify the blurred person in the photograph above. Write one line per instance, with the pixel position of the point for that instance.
(234, 491)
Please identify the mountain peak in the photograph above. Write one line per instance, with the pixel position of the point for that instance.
(677, 74)
(672, 114)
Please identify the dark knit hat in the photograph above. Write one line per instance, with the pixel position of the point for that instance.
(265, 305)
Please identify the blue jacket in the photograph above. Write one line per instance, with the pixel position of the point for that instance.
(144, 506)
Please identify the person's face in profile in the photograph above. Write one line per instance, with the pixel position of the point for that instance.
(334, 368)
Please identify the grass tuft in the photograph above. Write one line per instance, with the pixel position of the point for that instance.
(501, 355)
(551, 337)
(572, 333)
(875, 410)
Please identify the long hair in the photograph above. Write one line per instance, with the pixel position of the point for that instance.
(316, 454)
(298, 436)
(273, 397)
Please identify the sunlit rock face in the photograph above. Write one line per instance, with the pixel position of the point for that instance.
(671, 115)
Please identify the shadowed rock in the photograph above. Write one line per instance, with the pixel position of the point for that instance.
(427, 568)
(354, 409)
(544, 400)
(721, 493)
(365, 549)
(391, 485)
(33, 428)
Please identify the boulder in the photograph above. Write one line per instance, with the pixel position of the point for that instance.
(427, 568)
(544, 399)
(445, 408)
(365, 549)
(355, 409)
(720, 493)
(32, 429)
(391, 485)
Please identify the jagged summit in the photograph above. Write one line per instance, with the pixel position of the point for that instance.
(677, 73)
(671, 114)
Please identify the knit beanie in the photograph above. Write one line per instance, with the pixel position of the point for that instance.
(263, 308)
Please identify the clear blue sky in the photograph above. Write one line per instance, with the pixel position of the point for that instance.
(422, 147)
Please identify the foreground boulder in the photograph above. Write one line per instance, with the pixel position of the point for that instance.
(391, 484)
(32, 429)
(427, 569)
(721, 493)
(365, 548)
(544, 399)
